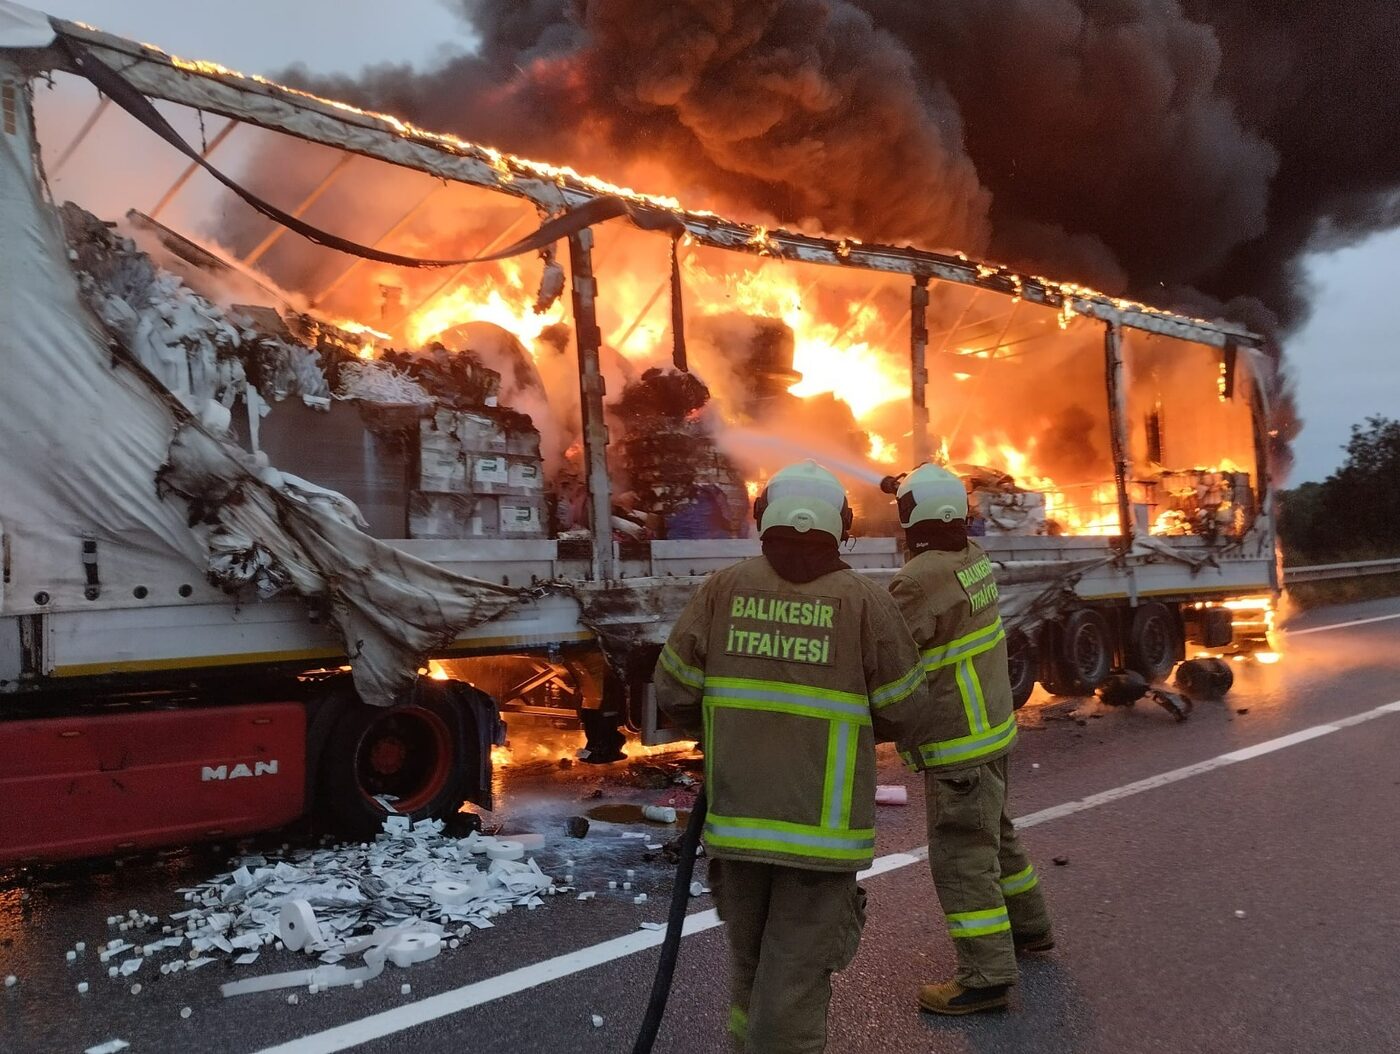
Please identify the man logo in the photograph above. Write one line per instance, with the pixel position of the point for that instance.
(239, 771)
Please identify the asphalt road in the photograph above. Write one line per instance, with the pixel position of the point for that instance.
(1232, 884)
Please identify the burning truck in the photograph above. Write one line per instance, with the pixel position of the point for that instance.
(297, 504)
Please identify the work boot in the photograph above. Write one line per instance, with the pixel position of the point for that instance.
(1038, 944)
(952, 998)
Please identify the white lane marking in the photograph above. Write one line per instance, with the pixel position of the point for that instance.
(387, 1022)
(1337, 625)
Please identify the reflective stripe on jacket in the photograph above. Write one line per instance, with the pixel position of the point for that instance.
(788, 686)
(949, 601)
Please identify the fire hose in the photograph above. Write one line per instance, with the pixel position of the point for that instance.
(675, 922)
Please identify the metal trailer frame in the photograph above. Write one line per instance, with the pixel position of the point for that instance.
(207, 630)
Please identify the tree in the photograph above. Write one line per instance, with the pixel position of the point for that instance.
(1355, 512)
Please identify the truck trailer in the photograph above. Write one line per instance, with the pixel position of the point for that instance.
(312, 473)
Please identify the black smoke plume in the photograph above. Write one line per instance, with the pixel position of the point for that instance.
(1187, 152)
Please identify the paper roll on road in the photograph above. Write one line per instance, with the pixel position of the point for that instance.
(501, 849)
(297, 926)
(451, 892)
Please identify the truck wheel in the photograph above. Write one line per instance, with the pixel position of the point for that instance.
(1205, 678)
(1153, 644)
(1022, 664)
(1084, 654)
(409, 752)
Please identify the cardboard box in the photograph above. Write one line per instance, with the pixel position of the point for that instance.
(526, 474)
(441, 515)
(1010, 512)
(489, 471)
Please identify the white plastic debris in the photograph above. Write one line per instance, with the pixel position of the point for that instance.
(82, 987)
(1239, 914)
(587, 896)
(136, 989)
(612, 883)
(81, 946)
(297, 926)
(659, 813)
(891, 795)
(112, 1046)
(11, 980)
(404, 989)
(413, 948)
(631, 873)
(652, 926)
(698, 888)
(71, 956)
(292, 999)
(597, 1021)
(640, 898)
(185, 1012)
(112, 971)
(504, 849)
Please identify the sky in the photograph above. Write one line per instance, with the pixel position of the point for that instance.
(1343, 360)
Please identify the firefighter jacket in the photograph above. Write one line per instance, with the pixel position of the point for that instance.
(788, 686)
(949, 601)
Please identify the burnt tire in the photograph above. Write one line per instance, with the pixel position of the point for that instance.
(414, 752)
(1023, 665)
(1083, 655)
(1205, 678)
(1154, 642)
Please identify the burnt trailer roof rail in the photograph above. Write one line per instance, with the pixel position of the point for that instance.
(255, 100)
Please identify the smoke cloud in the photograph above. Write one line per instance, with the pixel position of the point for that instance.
(1186, 152)
(1178, 151)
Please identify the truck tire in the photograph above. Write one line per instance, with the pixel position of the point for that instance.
(413, 752)
(1205, 678)
(1083, 654)
(1154, 643)
(1023, 664)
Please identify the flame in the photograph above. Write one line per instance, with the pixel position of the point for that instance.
(846, 357)
(1078, 510)
(437, 671)
(505, 298)
(882, 451)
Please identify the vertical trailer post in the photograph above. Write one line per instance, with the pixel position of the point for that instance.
(1118, 427)
(918, 367)
(591, 391)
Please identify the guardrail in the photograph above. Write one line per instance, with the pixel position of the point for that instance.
(1356, 569)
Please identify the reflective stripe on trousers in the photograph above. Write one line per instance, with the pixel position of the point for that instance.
(1021, 882)
(978, 923)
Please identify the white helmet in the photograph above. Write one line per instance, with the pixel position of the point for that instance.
(805, 497)
(931, 493)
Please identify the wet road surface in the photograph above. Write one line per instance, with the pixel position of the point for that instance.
(1232, 883)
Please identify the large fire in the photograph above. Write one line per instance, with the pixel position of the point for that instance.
(849, 342)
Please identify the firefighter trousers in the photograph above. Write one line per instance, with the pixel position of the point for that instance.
(789, 930)
(986, 883)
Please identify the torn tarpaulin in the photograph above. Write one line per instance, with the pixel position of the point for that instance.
(391, 609)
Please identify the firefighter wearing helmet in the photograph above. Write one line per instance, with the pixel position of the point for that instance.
(788, 668)
(986, 884)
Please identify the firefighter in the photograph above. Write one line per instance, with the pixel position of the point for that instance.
(986, 884)
(787, 668)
